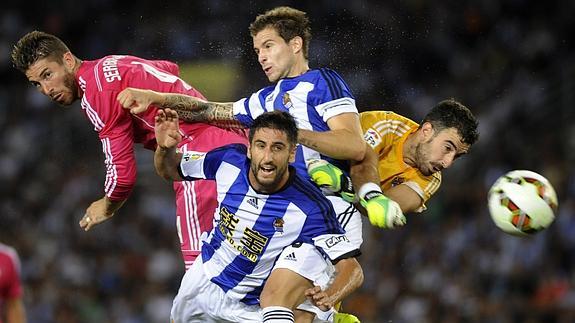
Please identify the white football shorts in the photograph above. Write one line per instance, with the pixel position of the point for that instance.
(200, 300)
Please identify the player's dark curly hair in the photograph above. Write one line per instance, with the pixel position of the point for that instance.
(288, 22)
(37, 45)
(452, 114)
(278, 120)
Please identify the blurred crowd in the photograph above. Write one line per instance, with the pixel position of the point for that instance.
(512, 62)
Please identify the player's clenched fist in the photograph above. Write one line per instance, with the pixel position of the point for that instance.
(138, 100)
(382, 211)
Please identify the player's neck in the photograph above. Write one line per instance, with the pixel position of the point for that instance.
(409, 149)
(300, 67)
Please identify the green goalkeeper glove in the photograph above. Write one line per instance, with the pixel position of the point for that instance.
(382, 211)
(330, 177)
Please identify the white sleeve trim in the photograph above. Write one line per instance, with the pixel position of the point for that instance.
(336, 107)
(414, 186)
(192, 164)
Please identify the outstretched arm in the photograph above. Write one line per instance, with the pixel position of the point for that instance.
(166, 157)
(188, 107)
(342, 141)
(349, 276)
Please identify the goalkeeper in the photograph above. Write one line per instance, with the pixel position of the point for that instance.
(406, 157)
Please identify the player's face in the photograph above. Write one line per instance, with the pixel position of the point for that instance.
(277, 58)
(54, 79)
(270, 154)
(439, 151)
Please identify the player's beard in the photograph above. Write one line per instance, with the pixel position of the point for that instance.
(268, 184)
(72, 88)
(422, 160)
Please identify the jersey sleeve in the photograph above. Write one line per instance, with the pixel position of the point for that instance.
(336, 246)
(332, 96)
(247, 109)
(424, 186)
(201, 165)
(116, 136)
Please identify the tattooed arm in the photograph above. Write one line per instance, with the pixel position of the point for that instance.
(188, 107)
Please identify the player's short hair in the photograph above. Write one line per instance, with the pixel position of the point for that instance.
(288, 22)
(37, 45)
(278, 120)
(452, 114)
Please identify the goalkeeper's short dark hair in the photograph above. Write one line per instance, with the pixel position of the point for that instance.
(453, 114)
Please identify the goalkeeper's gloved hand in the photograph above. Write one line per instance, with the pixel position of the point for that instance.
(382, 211)
(330, 177)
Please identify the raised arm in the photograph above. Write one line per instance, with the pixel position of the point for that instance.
(188, 107)
(342, 141)
(166, 157)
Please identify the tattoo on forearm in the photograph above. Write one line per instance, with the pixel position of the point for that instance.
(191, 109)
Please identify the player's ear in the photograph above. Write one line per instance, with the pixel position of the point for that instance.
(427, 131)
(296, 44)
(292, 154)
(249, 150)
(69, 60)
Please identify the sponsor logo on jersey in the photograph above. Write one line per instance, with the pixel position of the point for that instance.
(372, 137)
(291, 257)
(253, 202)
(335, 240)
(193, 155)
(279, 225)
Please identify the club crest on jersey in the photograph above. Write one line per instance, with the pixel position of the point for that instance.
(286, 101)
(397, 180)
(193, 155)
(279, 225)
(372, 137)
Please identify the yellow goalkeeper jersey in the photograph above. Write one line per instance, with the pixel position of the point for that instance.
(386, 132)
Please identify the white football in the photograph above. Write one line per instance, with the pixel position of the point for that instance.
(522, 202)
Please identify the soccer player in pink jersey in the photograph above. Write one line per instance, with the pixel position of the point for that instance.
(57, 73)
(11, 305)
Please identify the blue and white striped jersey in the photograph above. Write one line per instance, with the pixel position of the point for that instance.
(251, 229)
(311, 98)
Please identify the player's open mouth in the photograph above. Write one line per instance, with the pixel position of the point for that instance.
(267, 69)
(267, 169)
(57, 97)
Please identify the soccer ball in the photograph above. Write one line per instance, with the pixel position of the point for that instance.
(522, 202)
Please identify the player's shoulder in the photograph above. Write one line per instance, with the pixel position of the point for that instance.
(235, 152)
(383, 117)
(307, 194)
(325, 74)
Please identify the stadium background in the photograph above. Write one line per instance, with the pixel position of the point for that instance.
(512, 62)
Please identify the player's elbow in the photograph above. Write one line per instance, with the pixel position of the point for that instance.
(358, 151)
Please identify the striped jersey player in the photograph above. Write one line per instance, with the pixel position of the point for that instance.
(253, 228)
(311, 98)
